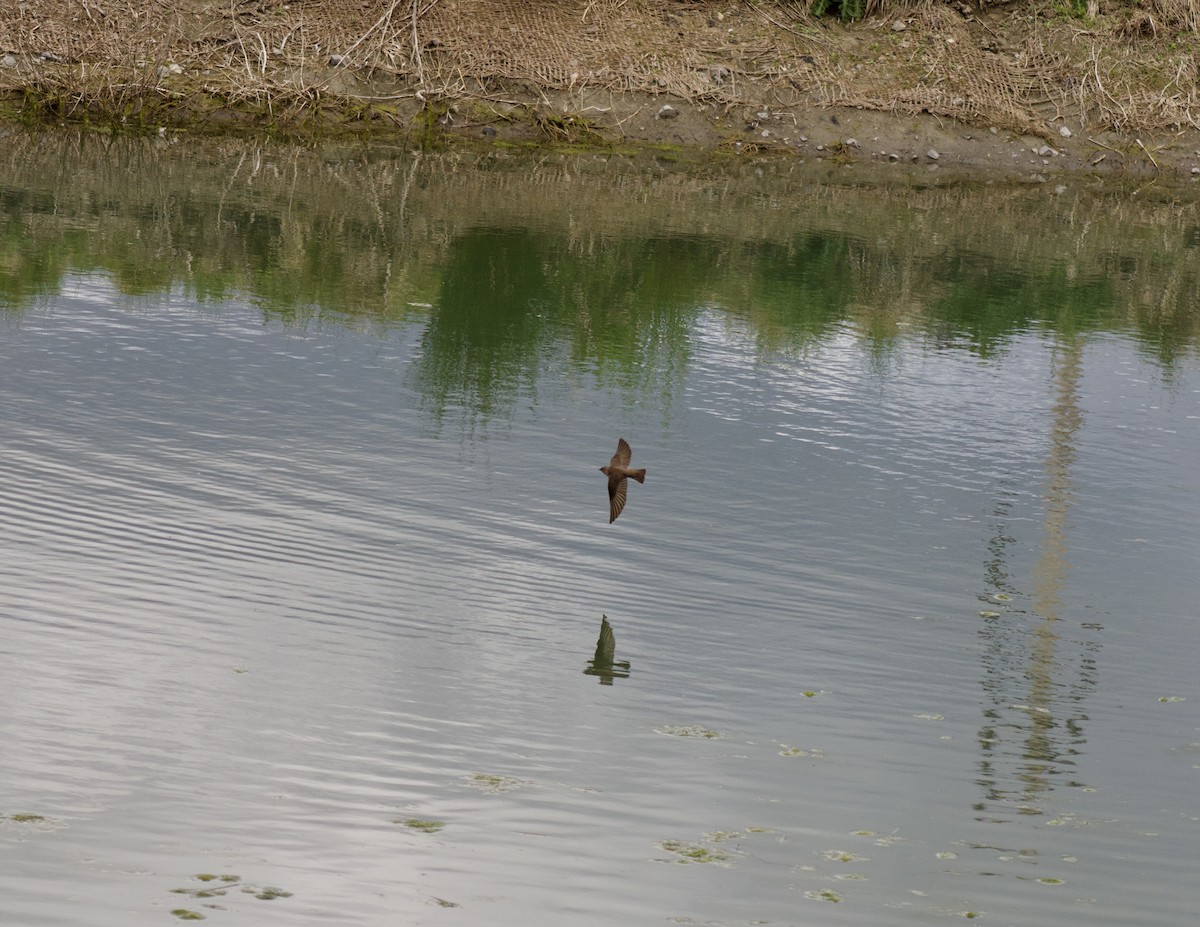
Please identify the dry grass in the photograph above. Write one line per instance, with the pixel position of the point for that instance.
(1018, 66)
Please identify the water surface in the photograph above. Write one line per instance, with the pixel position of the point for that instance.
(305, 552)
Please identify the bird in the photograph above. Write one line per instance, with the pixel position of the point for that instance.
(618, 474)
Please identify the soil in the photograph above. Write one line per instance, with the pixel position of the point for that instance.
(1000, 89)
(856, 136)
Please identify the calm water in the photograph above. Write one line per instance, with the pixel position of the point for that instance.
(305, 551)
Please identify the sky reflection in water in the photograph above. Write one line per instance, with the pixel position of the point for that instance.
(900, 614)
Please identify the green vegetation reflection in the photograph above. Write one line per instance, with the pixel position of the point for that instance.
(516, 274)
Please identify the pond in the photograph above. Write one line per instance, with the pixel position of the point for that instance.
(306, 552)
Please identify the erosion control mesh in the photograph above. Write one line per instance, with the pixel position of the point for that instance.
(998, 65)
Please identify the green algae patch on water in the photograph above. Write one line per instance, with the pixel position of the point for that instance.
(186, 914)
(719, 836)
(492, 783)
(718, 846)
(426, 827)
(28, 821)
(814, 753)
(217, 886)
(844, 856)
(695, 852)
(269, 893)
(823, 894)
(209, 889)
(691, 730)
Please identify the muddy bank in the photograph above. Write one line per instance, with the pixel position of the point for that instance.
(849, 136)
(1003, 89)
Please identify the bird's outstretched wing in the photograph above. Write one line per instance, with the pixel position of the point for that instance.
(624, 452)
(616, 497)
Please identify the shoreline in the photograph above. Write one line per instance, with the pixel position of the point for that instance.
(838, 135)
(1000, 92)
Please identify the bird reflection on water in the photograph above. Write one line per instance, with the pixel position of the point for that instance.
(603, 664)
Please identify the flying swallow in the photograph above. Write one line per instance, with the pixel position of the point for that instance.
(618, 473)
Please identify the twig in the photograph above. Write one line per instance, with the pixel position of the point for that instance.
(786, 28)
(621, 122)
(416, 44)
(383, 20)
(262, 68)
(1148, 154)
(1102, 145)
(246, 58)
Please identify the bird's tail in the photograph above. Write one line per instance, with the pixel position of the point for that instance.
(639, 475)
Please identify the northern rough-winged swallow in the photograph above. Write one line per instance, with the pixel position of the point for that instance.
(618, 473)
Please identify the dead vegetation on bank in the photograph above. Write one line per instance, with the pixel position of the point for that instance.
(1128, 67)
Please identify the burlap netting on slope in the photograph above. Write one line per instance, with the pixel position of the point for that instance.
(908, 58)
